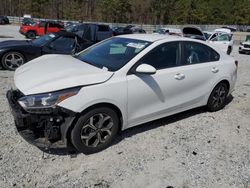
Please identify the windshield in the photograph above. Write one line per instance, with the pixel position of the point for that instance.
(43, 39)
(113, 53)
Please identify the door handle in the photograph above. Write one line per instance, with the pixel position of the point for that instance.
(215, 70)
(179, 76)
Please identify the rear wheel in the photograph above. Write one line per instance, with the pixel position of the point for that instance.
(12, 60)
(229, 50)
(217, 99)
(31, 35)
(95, 130)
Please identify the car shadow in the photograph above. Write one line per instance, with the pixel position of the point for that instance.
(163, 122)
(71, 151)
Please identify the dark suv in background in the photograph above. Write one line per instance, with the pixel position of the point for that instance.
(91, 31)
(4, 20)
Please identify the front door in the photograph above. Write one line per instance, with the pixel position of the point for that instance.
(153, 95)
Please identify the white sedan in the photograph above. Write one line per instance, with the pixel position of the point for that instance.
(114, 85)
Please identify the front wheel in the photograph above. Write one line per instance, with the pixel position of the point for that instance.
(12, 60)
(217, 99)
(95, 130)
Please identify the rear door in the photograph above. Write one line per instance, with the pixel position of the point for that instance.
(41, 28)
(200, 66)
(52, 27)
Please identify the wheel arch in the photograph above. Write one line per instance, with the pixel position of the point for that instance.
(12, 50)
(101, 104)
(29, 31)
(8, 51)
(224, 80)
(32, 30)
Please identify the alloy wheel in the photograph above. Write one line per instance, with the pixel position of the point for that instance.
(13, 60)
(96, 130)
(219, 96)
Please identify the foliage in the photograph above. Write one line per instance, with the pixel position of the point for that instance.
(136, 11)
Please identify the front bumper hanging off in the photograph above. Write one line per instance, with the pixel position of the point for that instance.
(42, 130)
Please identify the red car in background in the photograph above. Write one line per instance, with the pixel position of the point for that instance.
(40, 28)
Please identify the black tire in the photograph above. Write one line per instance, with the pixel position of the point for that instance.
(241, 52)
(86, 139)
(217, 99)
(31, 35)
(229, 50)
(7, 63)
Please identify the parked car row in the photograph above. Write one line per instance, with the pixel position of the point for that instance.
(221, 37)
(78, 36)
(129, 29)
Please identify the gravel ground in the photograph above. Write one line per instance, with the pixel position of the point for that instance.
(188, 150)
(8, 32)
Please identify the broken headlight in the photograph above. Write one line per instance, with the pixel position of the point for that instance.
(46, 100)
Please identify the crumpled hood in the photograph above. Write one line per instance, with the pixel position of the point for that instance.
(56, 72)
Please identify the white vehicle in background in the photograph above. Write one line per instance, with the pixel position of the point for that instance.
(222, 38)
(244, 47)
(116, 84)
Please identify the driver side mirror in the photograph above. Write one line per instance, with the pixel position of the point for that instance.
(145, 69)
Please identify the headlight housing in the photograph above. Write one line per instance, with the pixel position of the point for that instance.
(47, 100)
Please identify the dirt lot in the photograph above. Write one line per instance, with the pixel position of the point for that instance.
(194, 149)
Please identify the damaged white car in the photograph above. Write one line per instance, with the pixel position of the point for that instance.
(119, 83)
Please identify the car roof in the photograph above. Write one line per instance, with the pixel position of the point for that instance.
(149, 37)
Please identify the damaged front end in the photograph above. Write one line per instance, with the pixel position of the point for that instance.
(42, 127)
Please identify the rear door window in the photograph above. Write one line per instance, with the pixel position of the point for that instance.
(195, 53)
